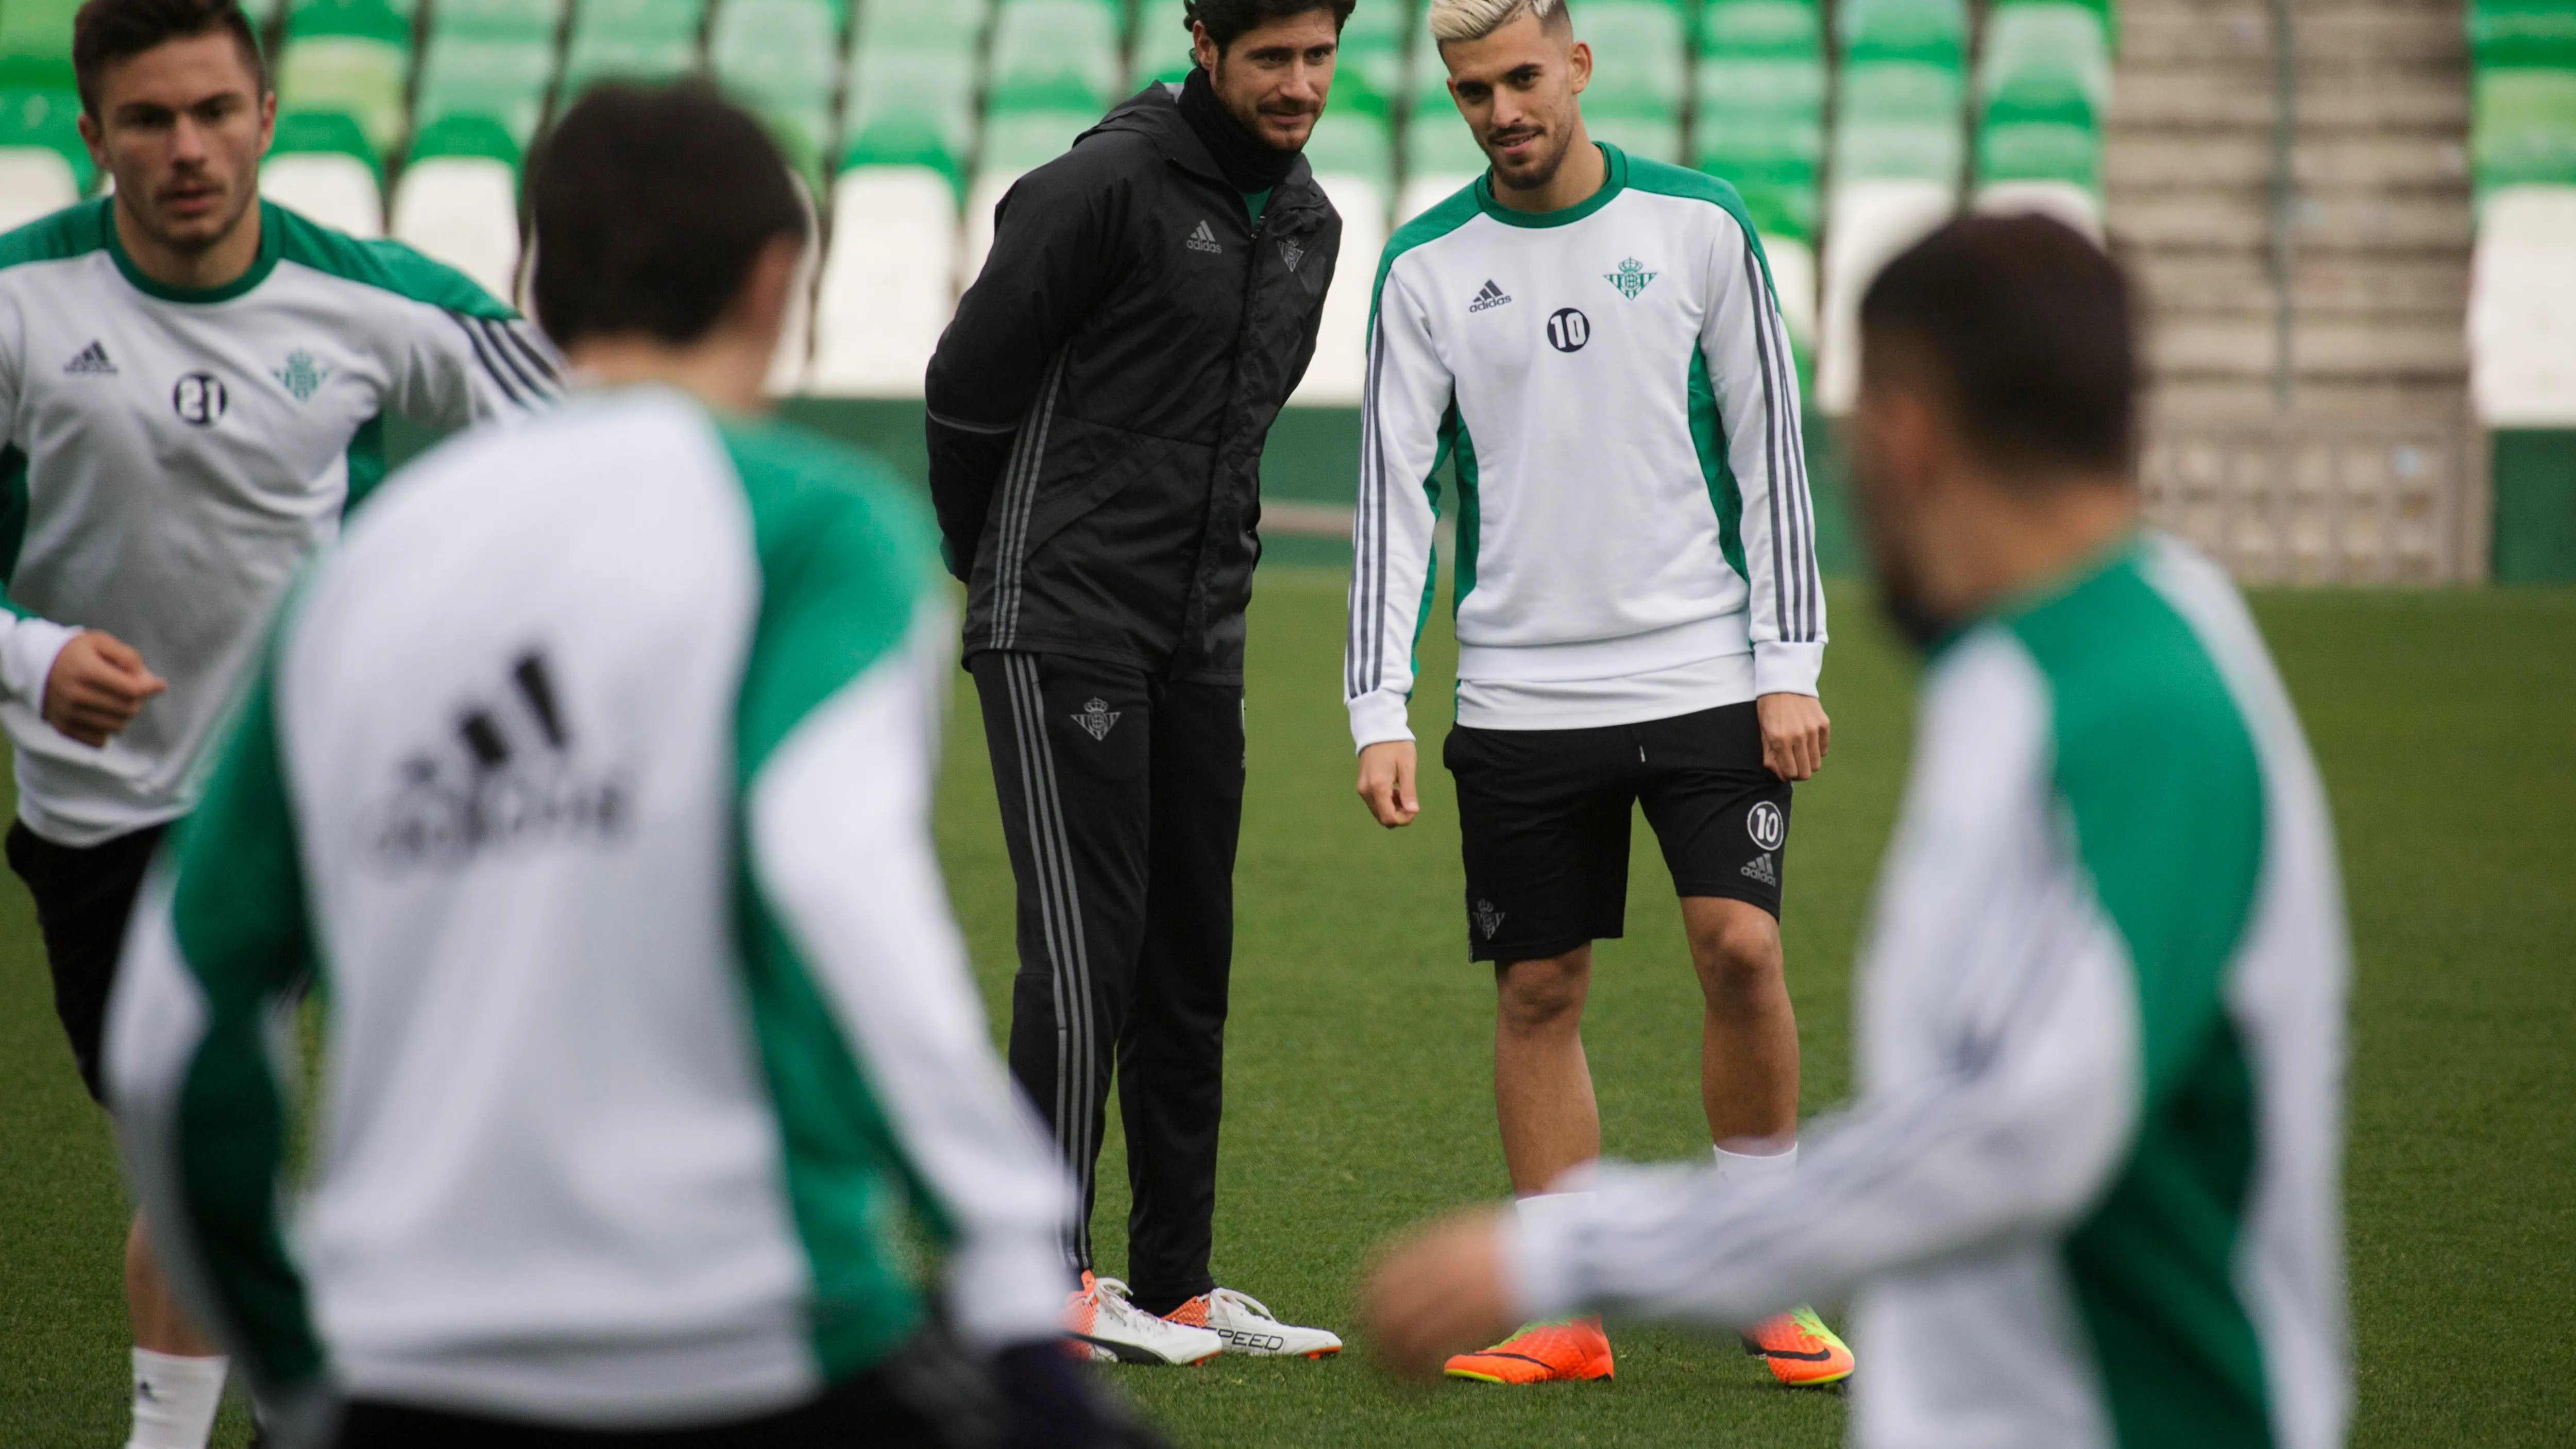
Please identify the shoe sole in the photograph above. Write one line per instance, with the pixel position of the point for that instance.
(1130, 1353)
(1474, 1377)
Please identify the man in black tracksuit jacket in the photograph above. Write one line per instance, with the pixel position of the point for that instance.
(1097, 415)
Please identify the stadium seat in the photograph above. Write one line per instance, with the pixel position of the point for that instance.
(1374, 54)
(913, 110)
(1793, 282)
(1930, 32)
(499, 77)
(352, 57)
(1159, 47)
(1354, 161)
(42, 161)
(1440, 156)
(1015, 143)
(2522, 309)
(782, 59)
(1654, 138)
(1640, 60)
(2523, 125)
(1873, 220)
(2043, 86)
(36, 44)
(323, 165)
(788, 365)
(1055, 55)
(2514, 33)
(537, 20)
(889, 284)
(1760, 84)
(462, 210)
(631, 40)
(890, 26)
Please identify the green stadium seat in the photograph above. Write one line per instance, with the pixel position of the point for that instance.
(1440, 155)
(1779, 28)
(1015, 143)
(911, 110)
(1055, 55)
(385, 21)
(1376, 48)
(2045, 61)
(47, 120)
(36, 44)
(325, 165)
(2523, 125)
(1900, 120)
(503, 79)
(1640, 61)
(404, 10)
(781, 55)
(1760, 84)
(956, 26)
(1652, 138)
(1772, 162)
(358, 76)
(2523, 33)
(1353, 143)
(526, 20)
(1926, 32)
(631, 40)
(1158, 49)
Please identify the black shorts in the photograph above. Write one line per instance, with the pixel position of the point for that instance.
(1543, 816)
(84, 896)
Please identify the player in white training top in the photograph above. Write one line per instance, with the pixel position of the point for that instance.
(1589, 341)
(193, 388)
(2087, 1197)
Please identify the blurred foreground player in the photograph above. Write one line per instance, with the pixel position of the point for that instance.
(588, 786)
(193, 387)
(1097, 415)
(2088, 1194)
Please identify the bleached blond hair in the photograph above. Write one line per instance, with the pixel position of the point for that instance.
(1476, 19)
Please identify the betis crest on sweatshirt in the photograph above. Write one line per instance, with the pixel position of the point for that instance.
(1612, 387)
(171, 456)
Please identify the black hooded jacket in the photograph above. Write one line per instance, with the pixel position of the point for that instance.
(1099, 405)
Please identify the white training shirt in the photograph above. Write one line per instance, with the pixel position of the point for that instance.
(590, 779)
(172, 456)
(2088, 1196)
(1615, 389)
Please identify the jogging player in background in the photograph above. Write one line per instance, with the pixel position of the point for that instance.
(590, 782)
(1097, 415)
(193, 387)
(1590, 342)
(2101, 1005)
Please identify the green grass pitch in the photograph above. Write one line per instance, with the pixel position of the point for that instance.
(1359, 1051)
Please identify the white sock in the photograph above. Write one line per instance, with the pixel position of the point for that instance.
(1743, 1169)
(175, 1399)
(1541, 1207)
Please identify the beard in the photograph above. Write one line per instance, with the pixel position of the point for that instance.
(202, 236)
(1550, 161)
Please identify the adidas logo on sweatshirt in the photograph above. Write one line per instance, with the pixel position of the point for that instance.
(1490, 297)
(92, 362)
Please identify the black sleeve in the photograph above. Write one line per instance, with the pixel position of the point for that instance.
(1056, 246)
(1332, 260)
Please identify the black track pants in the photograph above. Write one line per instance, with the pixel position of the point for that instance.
(1122, 797)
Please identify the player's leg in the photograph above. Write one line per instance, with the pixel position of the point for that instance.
(84, 896)
(1543, 820)
(1722, 819)
(1070, 742)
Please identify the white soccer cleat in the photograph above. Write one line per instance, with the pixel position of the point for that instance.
(1248, 1326)
(1101, 1316)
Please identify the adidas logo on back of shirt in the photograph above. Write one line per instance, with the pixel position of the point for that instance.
(1203, 240)
(92, 362)
(1492, 296)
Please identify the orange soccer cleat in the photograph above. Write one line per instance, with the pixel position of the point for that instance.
(1567, 1351)
(1802, 1351)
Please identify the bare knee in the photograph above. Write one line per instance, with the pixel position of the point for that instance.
(1736, 949)
(1535, 997)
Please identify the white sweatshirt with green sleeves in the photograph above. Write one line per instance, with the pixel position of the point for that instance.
(2088, 1193)
(167, 459)
(1614, 387)
(590, 779)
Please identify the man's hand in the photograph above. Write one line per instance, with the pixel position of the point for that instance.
(1436, 1292)
(1795, 733)
(97, 687)
(1386, 783)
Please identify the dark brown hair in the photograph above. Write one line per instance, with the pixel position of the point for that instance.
(106, 31)
(2029, 326)
(651, 204)
(1228, 21)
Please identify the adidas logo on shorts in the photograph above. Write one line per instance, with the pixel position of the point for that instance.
(1759, 868)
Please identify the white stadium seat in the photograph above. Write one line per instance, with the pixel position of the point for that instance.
(1340, 368)
(981, 197)
(2522, 309)
(2061, 200)
(464, 211)
(1793, 277)
(1872, 221)
(890, 283)
(1425, 190)
(334, 189)
(34, 182)
(796, 338)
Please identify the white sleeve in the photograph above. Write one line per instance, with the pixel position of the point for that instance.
(1756, 381)
(1407, 426)
(2000, 1011)
(463, 368)
(28, 644)
(839, 827)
